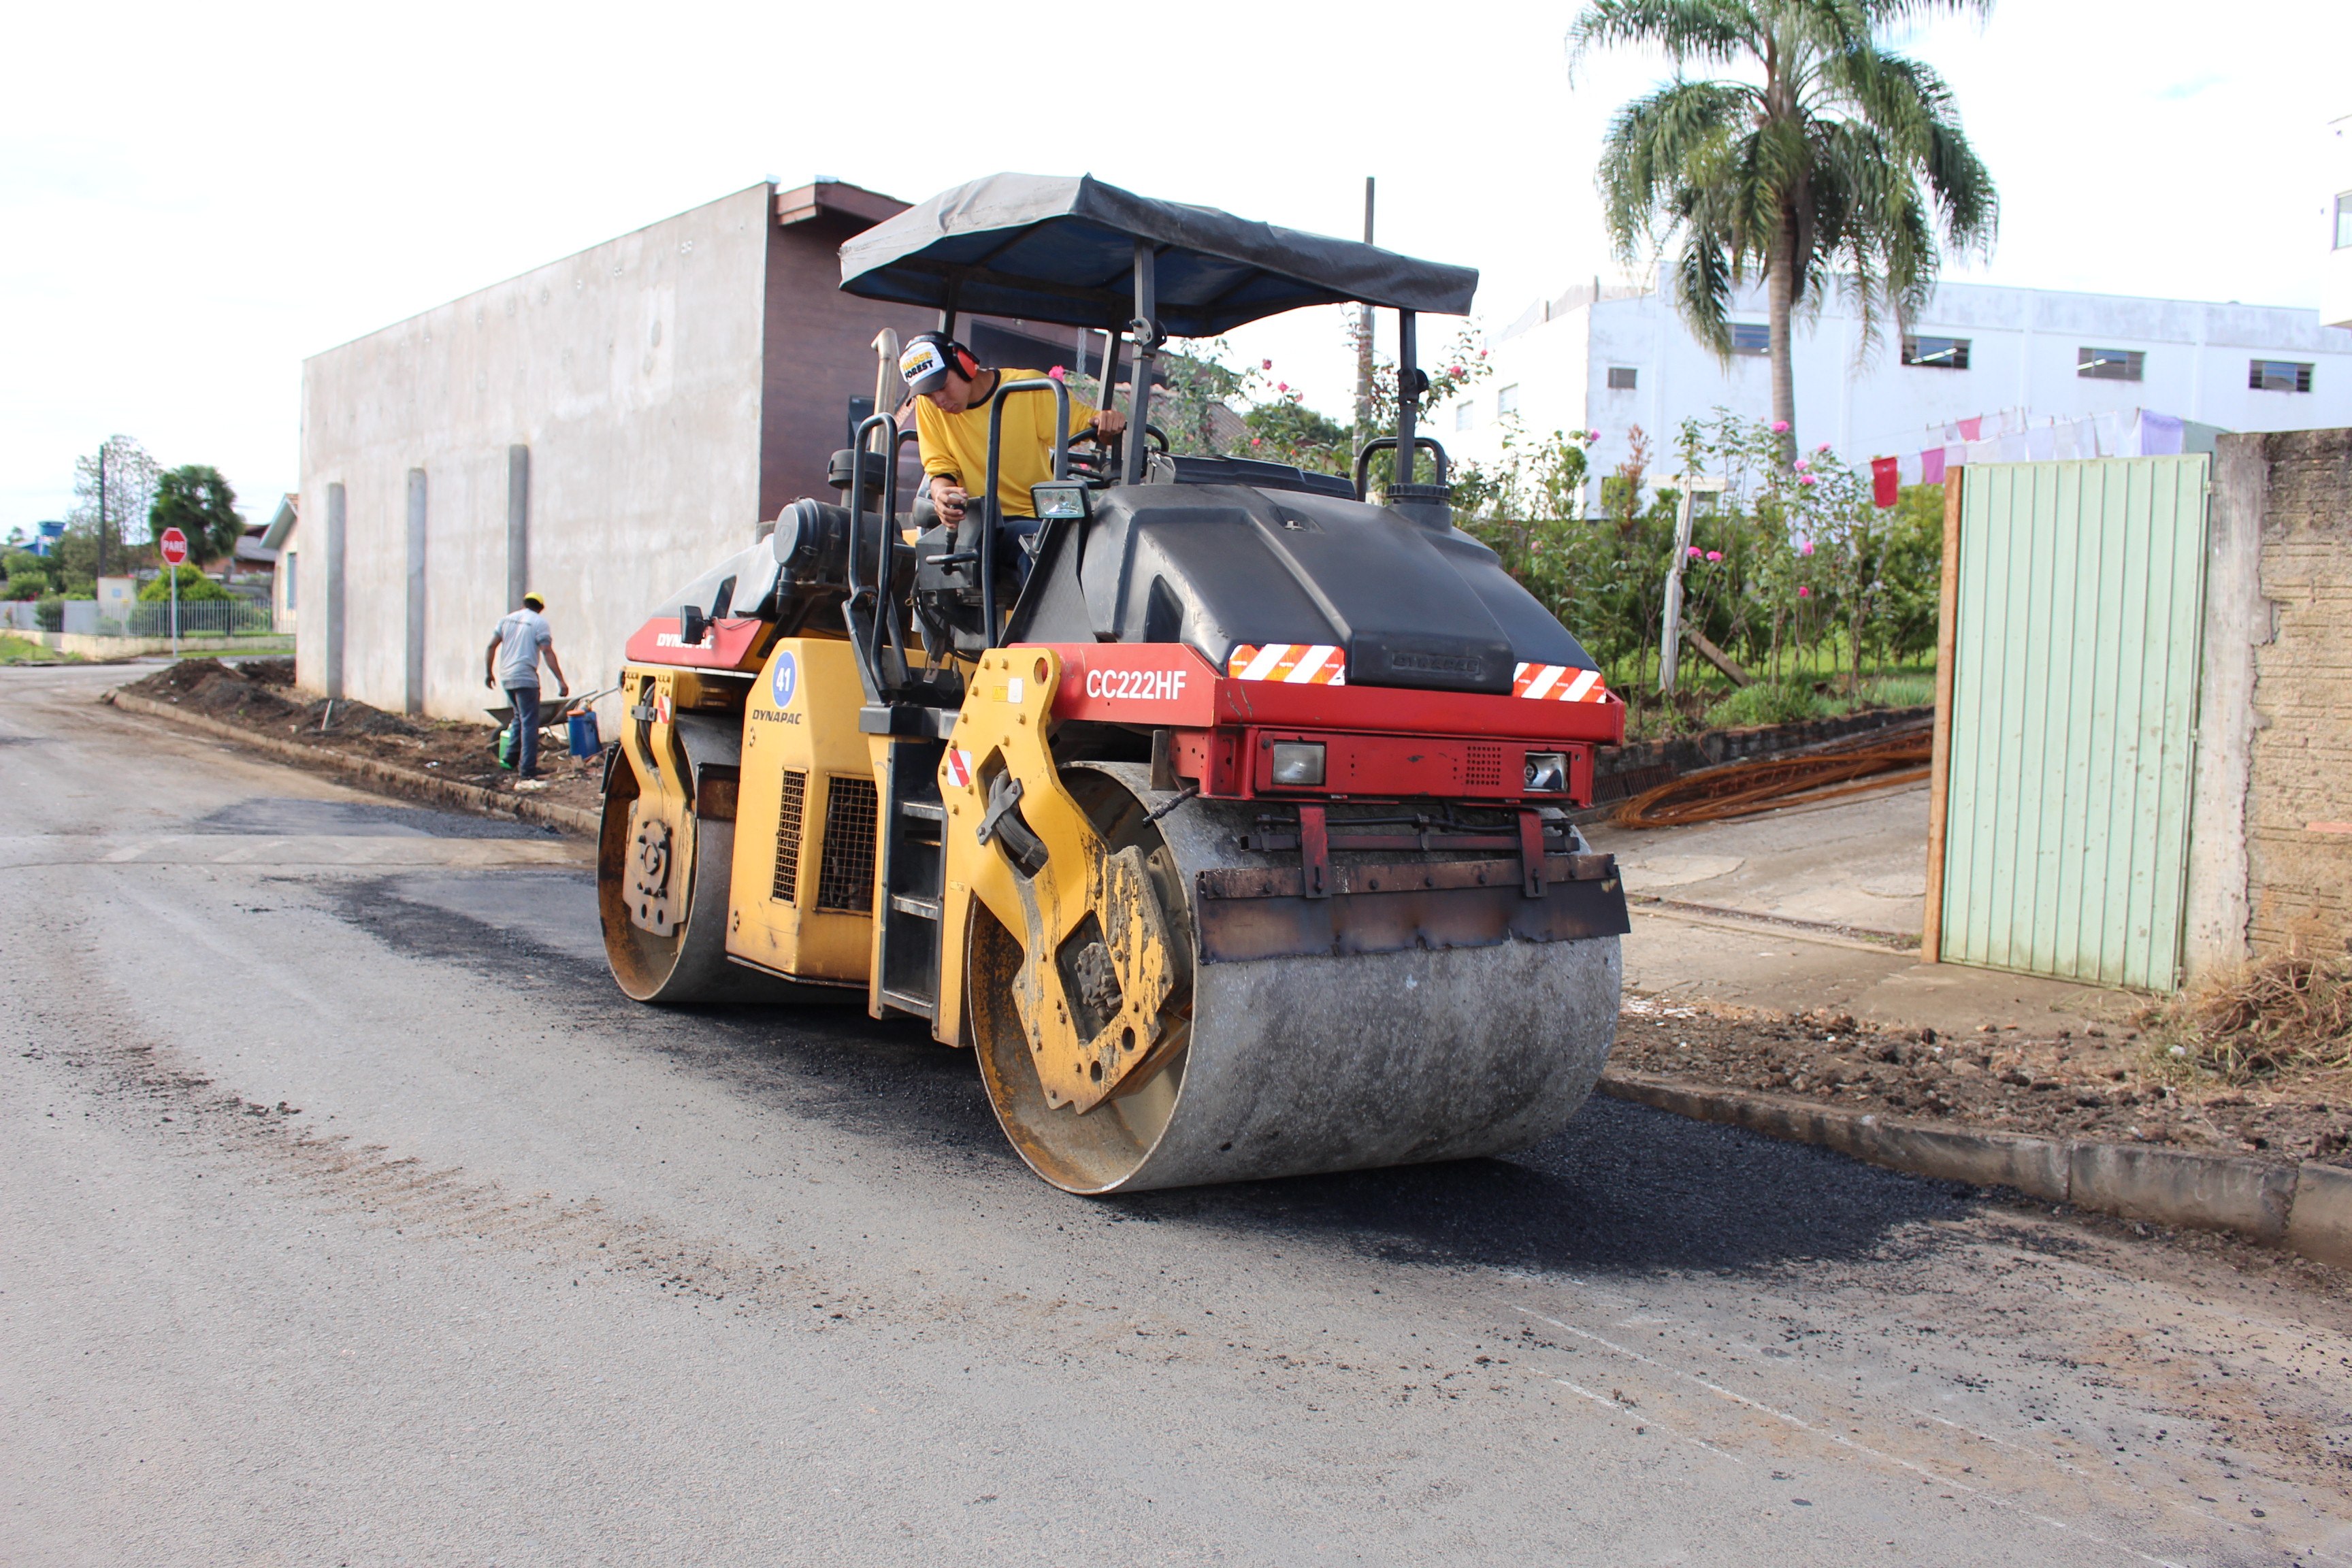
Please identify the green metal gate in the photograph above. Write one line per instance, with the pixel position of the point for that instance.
(2073, 718)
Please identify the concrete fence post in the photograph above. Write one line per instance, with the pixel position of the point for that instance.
(518, 526)
(335, 605)
(412, 685)
(2237, 622)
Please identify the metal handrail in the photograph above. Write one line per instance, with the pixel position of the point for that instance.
(989, 519)
(885, 625)
(1387, 444)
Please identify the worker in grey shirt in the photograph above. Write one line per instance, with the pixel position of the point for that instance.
(512, 664)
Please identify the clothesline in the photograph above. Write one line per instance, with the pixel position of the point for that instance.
(2011, 436)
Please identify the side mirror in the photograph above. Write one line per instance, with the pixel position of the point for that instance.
(693, 626)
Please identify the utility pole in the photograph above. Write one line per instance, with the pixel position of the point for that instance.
(1364, 341)
(101, 510)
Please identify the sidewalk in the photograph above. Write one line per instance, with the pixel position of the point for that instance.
(1750, 963)
(1819, 907)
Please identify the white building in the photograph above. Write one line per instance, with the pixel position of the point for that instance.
(2336, 278)
(1626, 360)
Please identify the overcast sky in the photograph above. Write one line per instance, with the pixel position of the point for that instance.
(193, 198)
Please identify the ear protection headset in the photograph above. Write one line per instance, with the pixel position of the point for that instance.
(929, 356)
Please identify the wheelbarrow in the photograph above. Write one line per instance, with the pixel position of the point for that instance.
(568, 721)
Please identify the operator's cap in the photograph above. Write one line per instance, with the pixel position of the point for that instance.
(534, 602)
(924, 364)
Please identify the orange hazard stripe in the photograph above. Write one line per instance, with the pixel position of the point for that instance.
(1558, 683)
(1293, 663)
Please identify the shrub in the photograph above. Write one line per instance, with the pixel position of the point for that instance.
(2287, 1014)
(51, 614)
(194, 587)
(1767, 702)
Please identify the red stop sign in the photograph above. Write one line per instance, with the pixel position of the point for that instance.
(175, 546)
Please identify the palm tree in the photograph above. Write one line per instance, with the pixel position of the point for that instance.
(1826, 155)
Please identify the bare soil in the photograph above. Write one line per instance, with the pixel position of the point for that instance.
(2114, 1086)
(258, 694)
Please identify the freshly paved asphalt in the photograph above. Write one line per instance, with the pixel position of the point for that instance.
(349, 1216)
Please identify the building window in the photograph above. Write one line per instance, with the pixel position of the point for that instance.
(1751, 338)
(1623, 377)
(1506, 401)
(2278, 376)
(2108, 364)
(286, 570)
(1935, 353)
(1466, 414)
(2344, 221)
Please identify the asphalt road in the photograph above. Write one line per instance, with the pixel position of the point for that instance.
(348, 1214)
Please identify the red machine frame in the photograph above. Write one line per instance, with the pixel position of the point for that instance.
(1380, 742)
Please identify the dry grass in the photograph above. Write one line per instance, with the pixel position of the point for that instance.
(2285, 1017)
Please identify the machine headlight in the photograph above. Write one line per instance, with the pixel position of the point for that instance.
(1058, 498)
(1547, 772)
(1297, 764)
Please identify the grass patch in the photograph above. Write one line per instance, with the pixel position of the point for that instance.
(23, 650)
(1897, 692)
(1767, 703)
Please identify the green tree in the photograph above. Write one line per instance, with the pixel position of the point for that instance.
(1826, 158)
(197, 502)
(113, 487)
(1286, 430)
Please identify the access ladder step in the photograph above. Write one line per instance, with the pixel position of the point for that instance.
(928, 810)
(905, 904)
(907, 1002)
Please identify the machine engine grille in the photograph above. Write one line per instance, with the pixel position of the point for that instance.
(788, 837)
(845, 881)
(1483, 768)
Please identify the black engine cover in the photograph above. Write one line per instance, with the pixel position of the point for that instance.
(1217, 565)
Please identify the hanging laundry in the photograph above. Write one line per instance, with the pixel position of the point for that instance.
(1886, 483)
(2041, 444)
(2159, 434)
(2012, 449)
(1972, 429)
(2065, 440)
(1931, 466)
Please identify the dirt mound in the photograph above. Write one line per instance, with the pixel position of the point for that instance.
(2122, 1088)
(258, 694)
(207, 686)
(266, 671)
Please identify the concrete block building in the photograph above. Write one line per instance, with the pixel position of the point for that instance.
(2335, 272)
(1610, 358)
(598, 430)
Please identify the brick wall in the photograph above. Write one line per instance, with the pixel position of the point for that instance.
(2299, 874)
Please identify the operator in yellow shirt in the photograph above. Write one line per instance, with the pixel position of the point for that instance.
(953, 393)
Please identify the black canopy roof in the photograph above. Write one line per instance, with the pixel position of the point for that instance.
(1053, 248)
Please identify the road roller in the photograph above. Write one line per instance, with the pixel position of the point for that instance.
(1225, 816)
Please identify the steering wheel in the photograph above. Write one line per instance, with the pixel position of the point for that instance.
(1096, 465)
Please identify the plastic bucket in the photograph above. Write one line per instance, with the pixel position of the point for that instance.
(587, 741)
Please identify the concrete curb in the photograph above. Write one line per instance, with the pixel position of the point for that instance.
(386, 776)
(2307, 1210)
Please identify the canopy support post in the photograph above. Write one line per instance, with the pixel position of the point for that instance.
(1146, 331)
(1408, 372)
